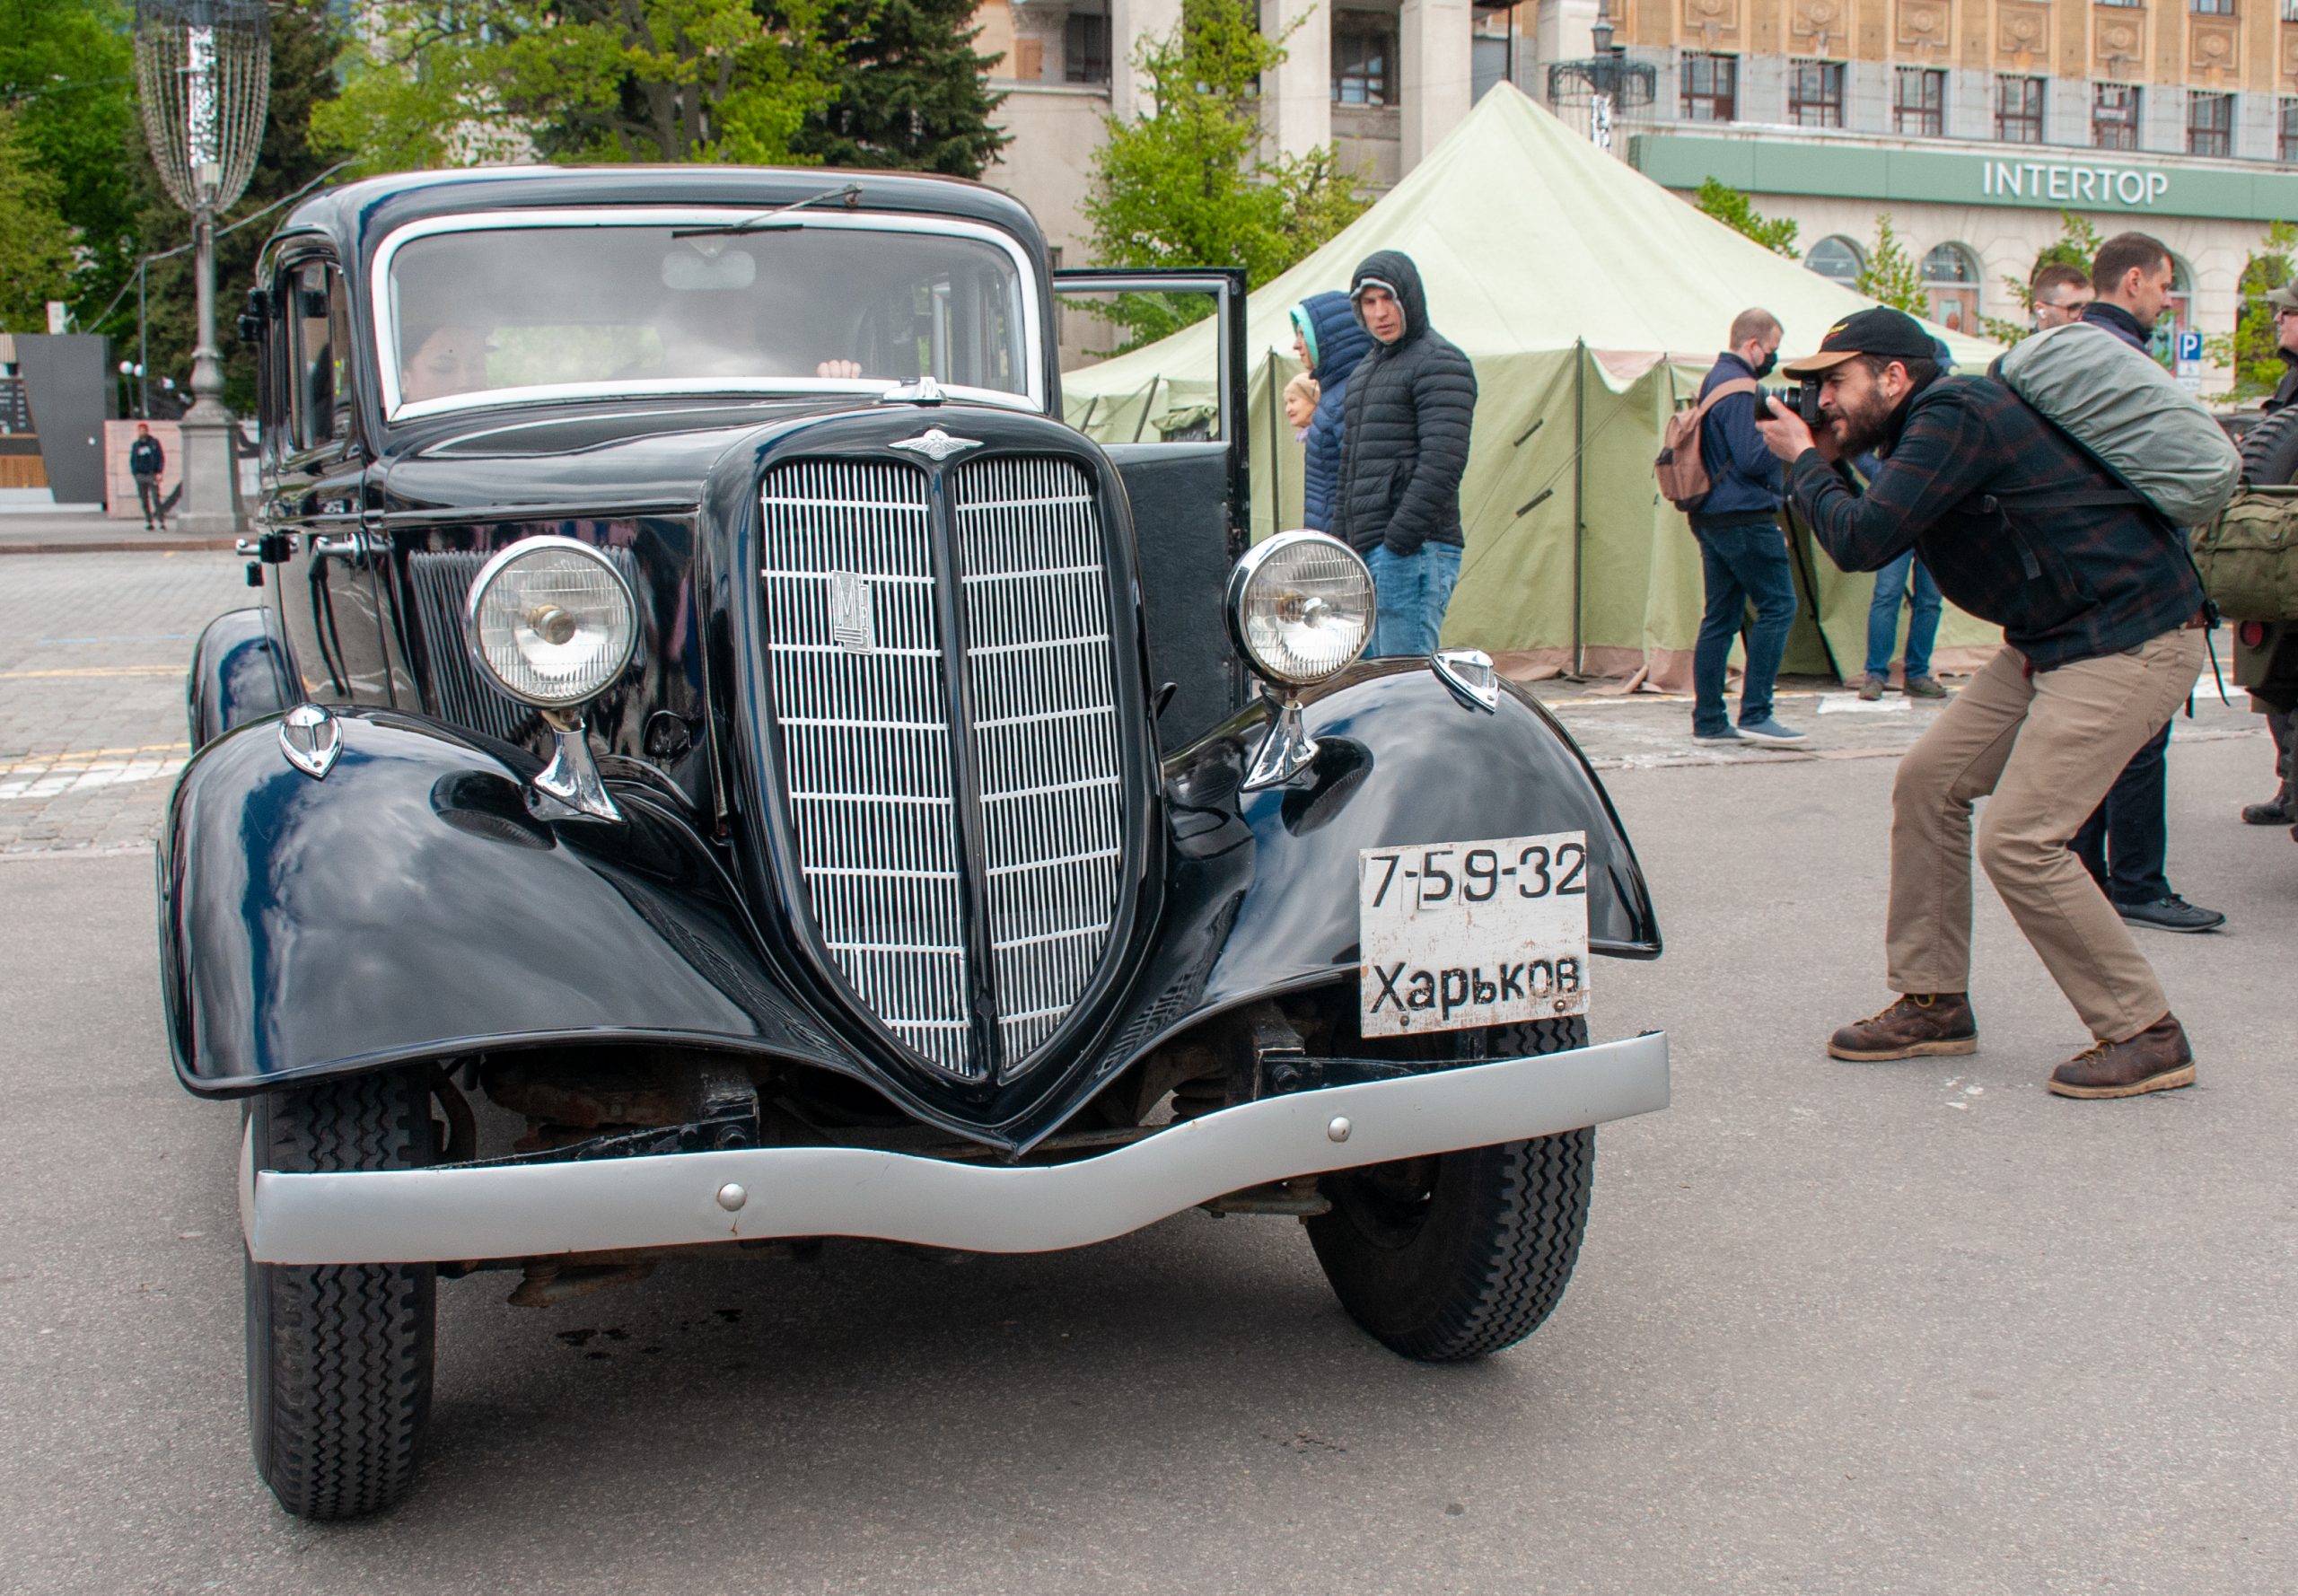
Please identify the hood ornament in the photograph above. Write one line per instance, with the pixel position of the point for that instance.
(311, 739)
(924, 391)
(937, 445)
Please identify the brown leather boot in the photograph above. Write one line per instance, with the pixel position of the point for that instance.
(1920, 1025)
(2157, 1059)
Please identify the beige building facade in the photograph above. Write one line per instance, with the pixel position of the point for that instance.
(1972, 124)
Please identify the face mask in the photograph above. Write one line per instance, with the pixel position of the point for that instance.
(1770, 360)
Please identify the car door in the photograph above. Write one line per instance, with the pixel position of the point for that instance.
(1190, 491)
(325, 578)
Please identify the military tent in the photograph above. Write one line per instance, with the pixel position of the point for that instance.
(1591, 300)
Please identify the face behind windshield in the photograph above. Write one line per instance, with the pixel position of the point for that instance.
(632, 308)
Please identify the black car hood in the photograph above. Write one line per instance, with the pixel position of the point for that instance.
(624, 458)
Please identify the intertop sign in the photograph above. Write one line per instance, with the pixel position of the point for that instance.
(2057, 184)
(1948, 173)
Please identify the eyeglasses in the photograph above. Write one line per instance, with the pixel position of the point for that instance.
(2282, 310)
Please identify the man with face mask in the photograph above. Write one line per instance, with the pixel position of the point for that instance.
(1742, 552)
(2101, 612)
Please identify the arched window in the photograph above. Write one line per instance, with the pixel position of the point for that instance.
(1951, 276)
(1838, 259)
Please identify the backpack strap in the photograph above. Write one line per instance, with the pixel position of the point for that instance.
(1723, 390)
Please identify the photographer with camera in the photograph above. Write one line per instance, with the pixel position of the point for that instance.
(1742, 552)
(2101, 612)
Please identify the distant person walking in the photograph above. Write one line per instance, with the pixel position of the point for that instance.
(145, 461)
(2062, 293)
(2282, 809)
(2126, 843)
(1330, 343)
(1742, 551)
(1405, 429)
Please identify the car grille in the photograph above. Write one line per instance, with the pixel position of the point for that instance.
(872, 765)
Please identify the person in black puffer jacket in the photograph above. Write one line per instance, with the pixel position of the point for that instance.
(1404, 449)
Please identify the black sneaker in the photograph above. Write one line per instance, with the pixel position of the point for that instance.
(2173, 913)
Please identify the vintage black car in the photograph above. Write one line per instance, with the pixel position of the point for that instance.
(718, 763)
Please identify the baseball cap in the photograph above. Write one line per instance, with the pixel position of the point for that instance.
(1894, 335)
(2284, 298)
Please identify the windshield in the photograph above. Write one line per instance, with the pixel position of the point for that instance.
(490, 312)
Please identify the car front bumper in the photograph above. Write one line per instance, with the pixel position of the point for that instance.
(539, 1210)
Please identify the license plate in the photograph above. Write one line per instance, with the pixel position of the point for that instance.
(1466, 933)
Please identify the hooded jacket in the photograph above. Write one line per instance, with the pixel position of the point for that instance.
(1327, 324)
(1405, 426)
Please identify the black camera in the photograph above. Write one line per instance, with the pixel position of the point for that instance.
(1803, 399)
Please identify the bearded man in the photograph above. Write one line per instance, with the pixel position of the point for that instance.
(2101, 615)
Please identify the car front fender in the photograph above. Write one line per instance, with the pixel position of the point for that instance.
(408, 907)
(239, 673)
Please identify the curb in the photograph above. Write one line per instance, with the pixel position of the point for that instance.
(123, 545)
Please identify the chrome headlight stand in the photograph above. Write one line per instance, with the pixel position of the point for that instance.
(1287, 750)
(572, 777)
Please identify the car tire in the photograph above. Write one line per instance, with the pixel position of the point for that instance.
(339, 1356)
(1460, 1255)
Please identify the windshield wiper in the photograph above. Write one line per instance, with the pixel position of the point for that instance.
(848, 192)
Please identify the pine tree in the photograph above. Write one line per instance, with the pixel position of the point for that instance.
(913, 93)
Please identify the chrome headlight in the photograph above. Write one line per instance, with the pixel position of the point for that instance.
(551, 622)
(1300, 607)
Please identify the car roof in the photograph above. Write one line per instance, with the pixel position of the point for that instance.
(357, 215)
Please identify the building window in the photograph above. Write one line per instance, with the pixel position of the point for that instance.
(2132, 4)
(2018, 110)
(1921, 107)
(2287, 145)
(1085, 49)
(2214, 8)
(1364, 47)
(2210, 124)
(1838, 259)
(1950, 277)
(1711, 88)
(2114, 115)
(1815, 93)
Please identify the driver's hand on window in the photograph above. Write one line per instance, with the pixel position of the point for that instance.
(839, 368)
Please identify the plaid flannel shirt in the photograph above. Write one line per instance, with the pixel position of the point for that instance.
(2065, 581)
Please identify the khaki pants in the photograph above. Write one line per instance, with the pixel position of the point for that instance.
(2048, 747)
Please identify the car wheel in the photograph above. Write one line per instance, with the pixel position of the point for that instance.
(339, 1355)
(1459, 1255)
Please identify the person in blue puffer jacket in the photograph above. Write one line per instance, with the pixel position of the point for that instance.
(1331, 341)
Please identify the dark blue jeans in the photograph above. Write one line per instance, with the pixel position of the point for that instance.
(2126, 843)
(1884, 617)
(1741, 561)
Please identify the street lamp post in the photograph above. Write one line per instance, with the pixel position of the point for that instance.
(1606, 82)
(204, 68)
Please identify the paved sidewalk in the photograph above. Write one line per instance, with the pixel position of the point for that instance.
(83, 533)
(93, 649)
(1646, 730)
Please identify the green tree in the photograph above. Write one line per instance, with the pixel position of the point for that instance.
(305, 40)
(2252, 349)
(2076, 244)
(35, 241)
(1189, 184)
(1728, 205)
(67, 72)
(1891, 275)
(448, 82)
(912, 92)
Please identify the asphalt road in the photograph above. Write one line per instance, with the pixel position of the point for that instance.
(1905, 1327)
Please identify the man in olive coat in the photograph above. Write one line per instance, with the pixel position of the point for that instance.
(1404, 449)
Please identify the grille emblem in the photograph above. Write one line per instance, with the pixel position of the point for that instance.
(850, 624)
(937, 445)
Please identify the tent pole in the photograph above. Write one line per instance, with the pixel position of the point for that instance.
(1579, 501)
(1276, 465)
